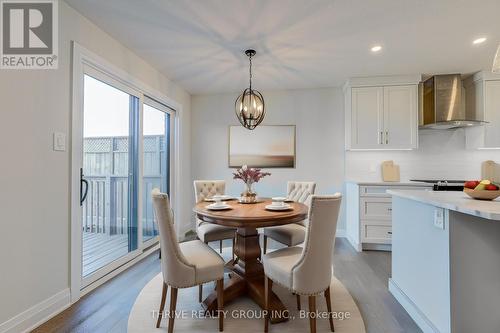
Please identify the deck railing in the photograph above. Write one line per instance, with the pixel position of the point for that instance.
(105, 209)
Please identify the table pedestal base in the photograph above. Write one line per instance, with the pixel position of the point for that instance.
(247, 277)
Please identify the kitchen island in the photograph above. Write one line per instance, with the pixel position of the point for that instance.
(446, 260)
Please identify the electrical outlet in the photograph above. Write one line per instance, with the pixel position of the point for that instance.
(439, 218)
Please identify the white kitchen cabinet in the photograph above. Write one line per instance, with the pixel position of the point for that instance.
(483, 98)
(401, 117)
(383, 116)
(369, 213)
(367, 124)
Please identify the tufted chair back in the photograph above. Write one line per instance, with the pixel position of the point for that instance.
(312, 274)
(177, 272)
(300, 191)
(208, 188)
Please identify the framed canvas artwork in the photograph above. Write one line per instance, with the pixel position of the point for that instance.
(263, 147)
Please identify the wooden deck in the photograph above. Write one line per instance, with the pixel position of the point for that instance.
(101, 249)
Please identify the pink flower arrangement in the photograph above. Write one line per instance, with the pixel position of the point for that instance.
(249, 175)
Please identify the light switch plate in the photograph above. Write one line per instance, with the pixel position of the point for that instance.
(439, 218)
(59, 142)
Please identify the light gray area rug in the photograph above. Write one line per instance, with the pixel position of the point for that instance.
(242, 315)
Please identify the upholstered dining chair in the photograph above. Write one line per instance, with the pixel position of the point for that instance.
(186, 264)
(291, 234)
(307, 270)
(209, 232)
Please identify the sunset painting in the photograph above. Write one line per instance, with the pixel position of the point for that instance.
(263, 147)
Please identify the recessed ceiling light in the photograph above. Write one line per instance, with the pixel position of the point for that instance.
(376, 48)
(479, 40)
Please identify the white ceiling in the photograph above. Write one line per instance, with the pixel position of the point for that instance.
(300, 43)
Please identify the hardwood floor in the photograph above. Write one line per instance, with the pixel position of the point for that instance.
(365, 275)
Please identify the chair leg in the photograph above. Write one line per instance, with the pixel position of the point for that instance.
(162, 304)
(298, 301)
(200, 293)
(329, 307)
(268, 286)
(220, 303)
(173, 303)
(220, 246)
(312, 314)
(265, 244)
(234, 242)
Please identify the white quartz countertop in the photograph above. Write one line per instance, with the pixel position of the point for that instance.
(381, 183)
(457, 201)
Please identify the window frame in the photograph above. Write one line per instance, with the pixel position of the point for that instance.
(87, 62)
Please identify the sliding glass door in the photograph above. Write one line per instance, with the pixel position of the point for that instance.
(108, 175)
(156, 160)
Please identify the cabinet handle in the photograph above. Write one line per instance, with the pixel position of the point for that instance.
(389, 209)
(386, 137)
(389, 232)
(381, 138)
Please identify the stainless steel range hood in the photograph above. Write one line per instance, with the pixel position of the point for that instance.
(442, 105)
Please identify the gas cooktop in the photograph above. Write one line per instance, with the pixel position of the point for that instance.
(443, 185)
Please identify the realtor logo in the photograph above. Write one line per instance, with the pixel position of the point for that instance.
(29, 34)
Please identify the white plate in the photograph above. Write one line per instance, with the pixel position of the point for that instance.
(218, 207)
(278, 208)
(222, 197)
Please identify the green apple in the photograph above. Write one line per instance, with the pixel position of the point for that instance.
(480, 187)
(485, 182)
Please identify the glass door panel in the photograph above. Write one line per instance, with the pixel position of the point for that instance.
(109, 142)
(156, 162)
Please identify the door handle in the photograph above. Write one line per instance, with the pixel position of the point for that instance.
(83, 194)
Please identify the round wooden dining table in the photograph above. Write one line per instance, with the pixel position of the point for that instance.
(246, 277)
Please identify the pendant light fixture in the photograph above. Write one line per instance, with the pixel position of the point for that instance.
(249, 106)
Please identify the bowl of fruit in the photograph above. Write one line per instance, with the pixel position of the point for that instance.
(482, 189)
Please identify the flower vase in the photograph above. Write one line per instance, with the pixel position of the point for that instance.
(248, 195)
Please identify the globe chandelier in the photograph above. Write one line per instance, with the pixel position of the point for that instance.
(249, 106)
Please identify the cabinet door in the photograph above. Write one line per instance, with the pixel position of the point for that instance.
(492, 114)
(366, 117)
(400, 117)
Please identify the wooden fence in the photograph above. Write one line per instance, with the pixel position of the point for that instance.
(105, 165)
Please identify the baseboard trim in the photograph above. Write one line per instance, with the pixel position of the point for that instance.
(37, 314)
(418, 316)
(376, 247)
(340, 233)
(355, 245)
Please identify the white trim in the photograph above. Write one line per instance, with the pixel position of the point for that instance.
(357, 246)
(377, 81)
(483, 76)
(418, 316)
(81, 58)
(37, 314)
(341, 233)
(40, 313)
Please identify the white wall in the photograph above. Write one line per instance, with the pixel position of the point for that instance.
(318, 114)
(34, 179)
(319, 117)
